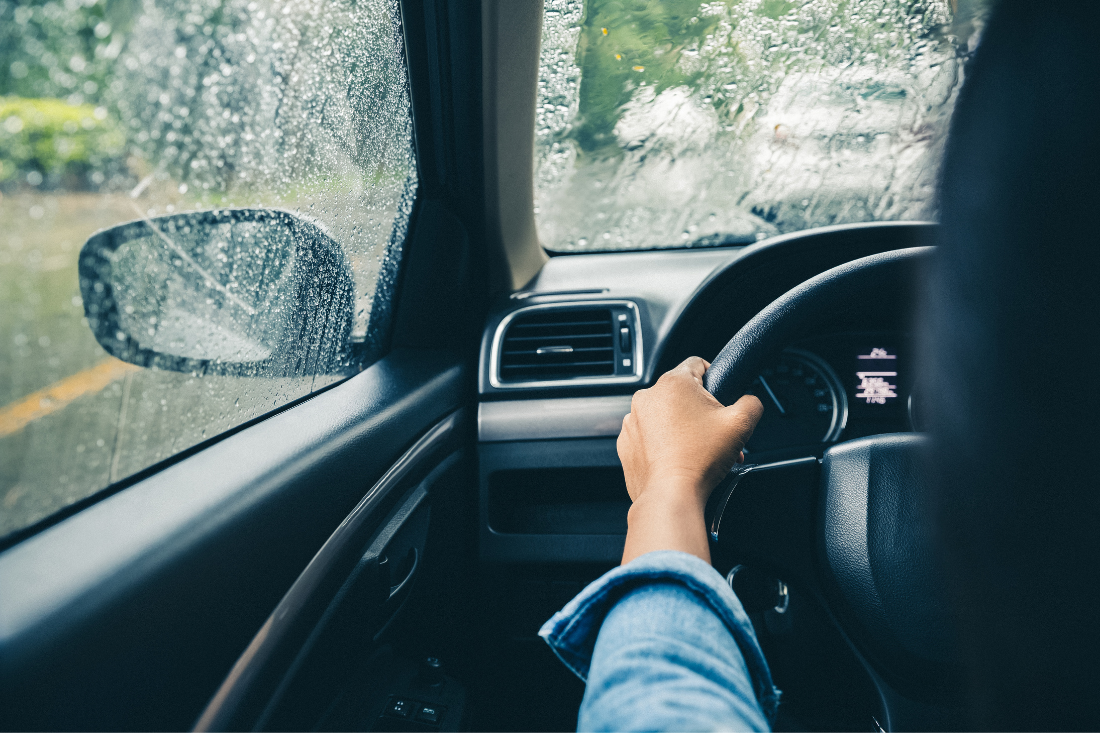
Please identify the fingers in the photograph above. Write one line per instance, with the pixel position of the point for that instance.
(629, 421)
(624, 431)
(688, 372)
(695, 366)
(623, 444)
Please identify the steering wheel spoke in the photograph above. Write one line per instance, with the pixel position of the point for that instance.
(763, 516)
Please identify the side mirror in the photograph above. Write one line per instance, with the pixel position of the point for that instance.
(231, 291)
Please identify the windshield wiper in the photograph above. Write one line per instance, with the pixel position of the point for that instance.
(724, 239)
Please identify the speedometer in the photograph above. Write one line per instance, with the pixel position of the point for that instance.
(804, 403)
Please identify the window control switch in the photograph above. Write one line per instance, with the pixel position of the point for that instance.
(400, 707)
(430, 714)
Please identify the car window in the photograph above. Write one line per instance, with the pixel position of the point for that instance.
(270, 116)
(664, 123)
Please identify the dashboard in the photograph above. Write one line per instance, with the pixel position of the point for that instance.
(561, 358)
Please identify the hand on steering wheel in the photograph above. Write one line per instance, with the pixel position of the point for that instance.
(676, 444)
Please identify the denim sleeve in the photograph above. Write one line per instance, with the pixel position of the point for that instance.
(664, 644)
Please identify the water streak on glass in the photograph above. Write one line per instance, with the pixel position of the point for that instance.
(665, 123)
(117, 110)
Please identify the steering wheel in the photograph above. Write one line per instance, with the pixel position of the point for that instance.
(852, 528)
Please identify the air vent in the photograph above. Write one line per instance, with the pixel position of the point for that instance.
(559, 342)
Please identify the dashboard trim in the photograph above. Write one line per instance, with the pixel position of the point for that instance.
(552, 419)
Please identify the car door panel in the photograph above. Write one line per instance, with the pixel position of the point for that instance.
(342, 602)
(129, 613)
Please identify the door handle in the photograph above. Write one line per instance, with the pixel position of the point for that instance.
(405, 583)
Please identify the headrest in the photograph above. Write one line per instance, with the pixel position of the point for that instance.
(1013, 331)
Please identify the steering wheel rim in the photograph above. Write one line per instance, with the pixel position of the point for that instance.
(861, 283)
(871, 560)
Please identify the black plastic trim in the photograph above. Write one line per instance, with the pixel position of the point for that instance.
(444, 252)
(500, 547)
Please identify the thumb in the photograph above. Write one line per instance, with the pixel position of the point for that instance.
(741, 418)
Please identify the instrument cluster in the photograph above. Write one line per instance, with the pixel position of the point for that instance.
(832, 388)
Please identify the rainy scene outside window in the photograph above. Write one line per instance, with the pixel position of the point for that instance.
(202, 206)
(678, 123)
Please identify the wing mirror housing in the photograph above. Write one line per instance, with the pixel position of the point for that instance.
(246, 292)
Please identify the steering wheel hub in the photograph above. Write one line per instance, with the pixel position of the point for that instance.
(881, 574)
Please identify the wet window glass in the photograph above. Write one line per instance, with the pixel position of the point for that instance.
(202, 204)
(672, 123)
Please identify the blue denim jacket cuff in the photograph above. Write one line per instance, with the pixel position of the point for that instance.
(572, 631)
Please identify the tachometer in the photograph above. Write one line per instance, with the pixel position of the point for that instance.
(804, 403)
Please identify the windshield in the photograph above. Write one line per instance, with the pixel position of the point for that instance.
(678, 123)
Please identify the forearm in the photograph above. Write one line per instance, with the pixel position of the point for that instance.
(664, 644)
(665, 661)
(671, 519)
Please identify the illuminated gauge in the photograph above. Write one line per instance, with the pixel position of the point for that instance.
(804, 403)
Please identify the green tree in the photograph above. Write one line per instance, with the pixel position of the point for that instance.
(60, 48)
(57, 143)
(625, 44)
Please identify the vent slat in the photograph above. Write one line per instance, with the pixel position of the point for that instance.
(533, 358)
(553, 369)
(576, 350)
(588, 332)
(569, 365)
(570, 324)
(547, 337)
(580, 354)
